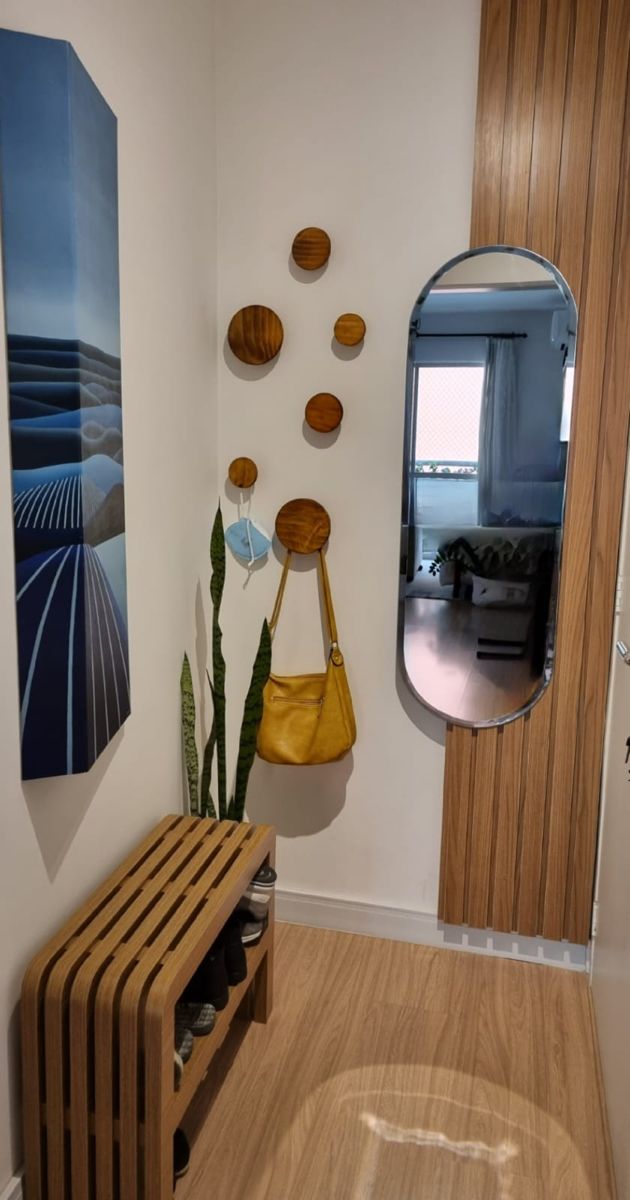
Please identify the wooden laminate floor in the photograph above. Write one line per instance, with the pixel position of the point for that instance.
(398, 1072)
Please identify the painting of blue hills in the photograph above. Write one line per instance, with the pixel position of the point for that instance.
(59, 204)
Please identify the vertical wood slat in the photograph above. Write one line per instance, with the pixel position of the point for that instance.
(481, 827)
(607, 150)
(544, 181)
(519, 125)
(548, 147)
(458, 774)
(574, 195)
(576, 146)
(532, 822)
(491, 97)
(611, 468)
(508, 801)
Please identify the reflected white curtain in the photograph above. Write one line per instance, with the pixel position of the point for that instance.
(497, 426)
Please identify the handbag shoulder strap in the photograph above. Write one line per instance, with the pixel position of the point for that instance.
(328, 604)
(273, 620)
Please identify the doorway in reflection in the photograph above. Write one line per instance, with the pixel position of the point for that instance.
(491, 356)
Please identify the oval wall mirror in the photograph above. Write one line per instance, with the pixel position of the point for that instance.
(488, 413)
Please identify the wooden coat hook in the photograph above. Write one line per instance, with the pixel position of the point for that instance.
(243, 472)
(255, 334)
(311, 248)
(303, 526)
(324, 412)
(350, 329)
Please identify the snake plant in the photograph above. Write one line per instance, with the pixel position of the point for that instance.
(199, 794)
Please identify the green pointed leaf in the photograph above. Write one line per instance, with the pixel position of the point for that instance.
(217, 582)
(217, 560)
(188, 734)
(206, 803)
(218, 694)
(252, 714)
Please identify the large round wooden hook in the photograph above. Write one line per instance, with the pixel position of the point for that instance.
(303, 526)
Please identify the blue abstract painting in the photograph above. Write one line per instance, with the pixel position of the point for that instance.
(59, 192)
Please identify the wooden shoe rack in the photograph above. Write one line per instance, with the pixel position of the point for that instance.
(97, 1012)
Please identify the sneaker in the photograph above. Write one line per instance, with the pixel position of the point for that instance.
(257, 903)
(235, 961)
(181, 1155)
(251, 929)
(265, 877)
(183, 1039)
(179, 1070)
(199, 1018)
(209, 984)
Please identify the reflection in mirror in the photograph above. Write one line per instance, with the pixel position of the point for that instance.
(488, 414)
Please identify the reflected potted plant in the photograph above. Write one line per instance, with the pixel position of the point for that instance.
(501, 572)
(452, 561)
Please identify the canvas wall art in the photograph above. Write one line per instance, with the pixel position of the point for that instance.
(59, 194)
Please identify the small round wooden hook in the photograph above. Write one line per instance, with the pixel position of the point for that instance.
(350, 329)
(243, 472)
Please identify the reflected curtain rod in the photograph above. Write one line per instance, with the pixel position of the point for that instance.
(504, 336)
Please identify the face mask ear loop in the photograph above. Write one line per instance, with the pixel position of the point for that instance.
(251, 545)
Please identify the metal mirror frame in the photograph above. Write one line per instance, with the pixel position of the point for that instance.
(408, 498)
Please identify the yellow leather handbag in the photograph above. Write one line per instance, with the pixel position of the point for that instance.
(308, 719)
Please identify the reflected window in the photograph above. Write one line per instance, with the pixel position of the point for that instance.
(567, 404)
(447, 429)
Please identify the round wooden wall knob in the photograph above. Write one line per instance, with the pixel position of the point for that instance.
(303, 526)
(255, 334)
(243, 472)
(350, 329)
(323, 412)
(311, 248)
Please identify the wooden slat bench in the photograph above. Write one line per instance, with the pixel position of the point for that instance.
(97, 1012)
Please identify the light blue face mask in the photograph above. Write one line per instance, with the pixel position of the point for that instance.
(247, 540)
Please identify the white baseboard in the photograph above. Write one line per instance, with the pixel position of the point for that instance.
(13, 1190)
(402, 925)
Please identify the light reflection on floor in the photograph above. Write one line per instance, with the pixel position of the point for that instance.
(426, 1133)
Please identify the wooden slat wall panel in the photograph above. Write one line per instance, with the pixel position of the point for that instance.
(549, 168)
(611, 465)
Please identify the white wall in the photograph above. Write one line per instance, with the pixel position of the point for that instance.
(152, 59)
(611, 947)
(359, 118)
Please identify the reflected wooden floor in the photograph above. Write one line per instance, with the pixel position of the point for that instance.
(440, 648)
(398, 1072)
